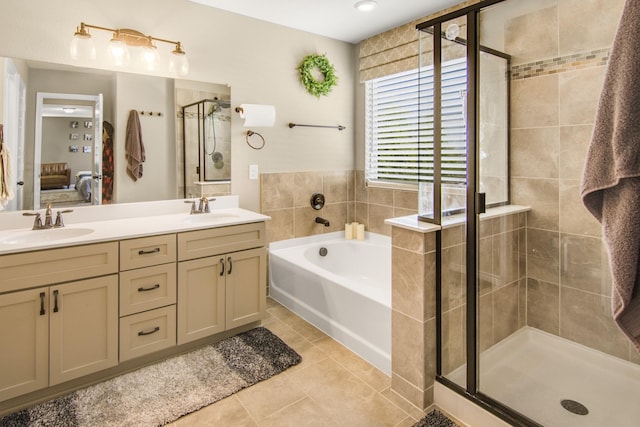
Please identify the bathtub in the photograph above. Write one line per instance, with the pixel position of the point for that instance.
(346, 293)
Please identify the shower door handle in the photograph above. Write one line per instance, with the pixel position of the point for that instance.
(481, 203)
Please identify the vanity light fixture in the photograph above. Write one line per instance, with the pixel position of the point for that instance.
(68, 110)
(82, 47)
(366, 5)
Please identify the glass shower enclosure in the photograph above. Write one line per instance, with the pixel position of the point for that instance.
(508, 96)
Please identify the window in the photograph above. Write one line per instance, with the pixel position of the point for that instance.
(399, 110)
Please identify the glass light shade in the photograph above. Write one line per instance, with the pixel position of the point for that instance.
(366, 5)
(150, 57)
(178, 64)
(119, 52)
(82, 47)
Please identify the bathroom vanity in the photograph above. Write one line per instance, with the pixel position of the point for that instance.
(77, 307)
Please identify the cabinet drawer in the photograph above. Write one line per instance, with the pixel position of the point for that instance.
(147, 332)
(147, 251)
(147, 288)
(30, 269)
(215, 241)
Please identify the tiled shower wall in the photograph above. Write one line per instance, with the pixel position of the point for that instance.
(286, 197)
(558, 66)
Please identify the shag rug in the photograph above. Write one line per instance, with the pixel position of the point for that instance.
(159, 394)
(435, 418)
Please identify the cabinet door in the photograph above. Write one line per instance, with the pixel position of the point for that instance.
(24, 334)
(83, 328)
(200, 298)
(246, 287)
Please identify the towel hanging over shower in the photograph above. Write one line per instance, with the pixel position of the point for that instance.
(133, 147)
(611, 180)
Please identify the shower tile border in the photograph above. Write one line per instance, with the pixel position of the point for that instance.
(561, 64)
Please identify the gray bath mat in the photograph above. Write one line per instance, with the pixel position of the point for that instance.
(435, 418)
(158, 394)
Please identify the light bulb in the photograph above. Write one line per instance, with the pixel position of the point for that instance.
(366, 5)
(150, 57)
(119, 52)
(178, 63)
(82, 47)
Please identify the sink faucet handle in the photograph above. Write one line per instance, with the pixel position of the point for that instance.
(37, 221)
(59, 221)
(193, 205)
(48, 219)
(206, 203)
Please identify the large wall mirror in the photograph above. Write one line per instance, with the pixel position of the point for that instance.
(61, 135)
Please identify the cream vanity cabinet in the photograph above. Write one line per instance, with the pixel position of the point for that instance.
(147, 295)
(221, 279)
(58, 316)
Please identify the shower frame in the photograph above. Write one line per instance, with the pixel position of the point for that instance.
(201, 115)
(475, 205)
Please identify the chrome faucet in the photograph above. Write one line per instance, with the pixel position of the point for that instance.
(322, 221)
(48, 220)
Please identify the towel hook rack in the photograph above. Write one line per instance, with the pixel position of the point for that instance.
(150, 113)
(339, 127)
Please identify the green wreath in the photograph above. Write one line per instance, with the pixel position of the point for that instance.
(317, 87)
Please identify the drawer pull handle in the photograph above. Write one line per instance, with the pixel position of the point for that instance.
(152, 251)
(150, 288)
(153, 331)
(55, 301)
(230, 265)
(222, 266)
(42, 312)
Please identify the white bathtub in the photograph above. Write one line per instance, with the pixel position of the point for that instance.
(346, 294)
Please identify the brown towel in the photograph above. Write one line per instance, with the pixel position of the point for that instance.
(611, 180)
(133, 146)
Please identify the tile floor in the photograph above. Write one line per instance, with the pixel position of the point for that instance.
(331, 387)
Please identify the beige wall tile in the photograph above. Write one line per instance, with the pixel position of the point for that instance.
(579, 94)
(522, 303)
(453, 277)
(362, 214)
(408, 350)
(585, 264)
(380, 196)
(413, 278)
(533, 35)
(361, 192)
(505, 307)
(453, 348)
(534, 102)
(405, 199)
(487, 279)
(542, 195)
(574, 217)
(485, 326)
(587, 24)
(277, 191)
(281, 225)
(543, 304)
(412, 240)
(505, 258)
(304, 221)
(543, 251)
(534, 152)
(586, 319)
(377, 215)
(574, 143)
(335, 186)
(337, 215)
(304, 185)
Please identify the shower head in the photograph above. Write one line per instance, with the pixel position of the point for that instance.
(222, 103)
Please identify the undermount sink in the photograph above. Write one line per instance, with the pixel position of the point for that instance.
(47, 235)
(210, 217)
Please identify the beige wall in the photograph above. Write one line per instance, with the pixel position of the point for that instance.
(257, 59)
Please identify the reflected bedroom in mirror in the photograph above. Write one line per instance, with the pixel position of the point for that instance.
(64, 128)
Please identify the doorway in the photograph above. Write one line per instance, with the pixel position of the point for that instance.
(68, 150)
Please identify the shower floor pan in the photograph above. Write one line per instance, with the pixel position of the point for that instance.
(533, 372)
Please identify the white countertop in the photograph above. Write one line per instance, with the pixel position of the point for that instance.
(115, 222)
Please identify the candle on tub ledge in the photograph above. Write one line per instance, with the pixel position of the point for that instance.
(348, 231)
(360, 232)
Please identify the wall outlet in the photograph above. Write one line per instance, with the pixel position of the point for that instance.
(253, 172)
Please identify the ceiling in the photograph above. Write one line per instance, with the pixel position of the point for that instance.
(337, 19)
